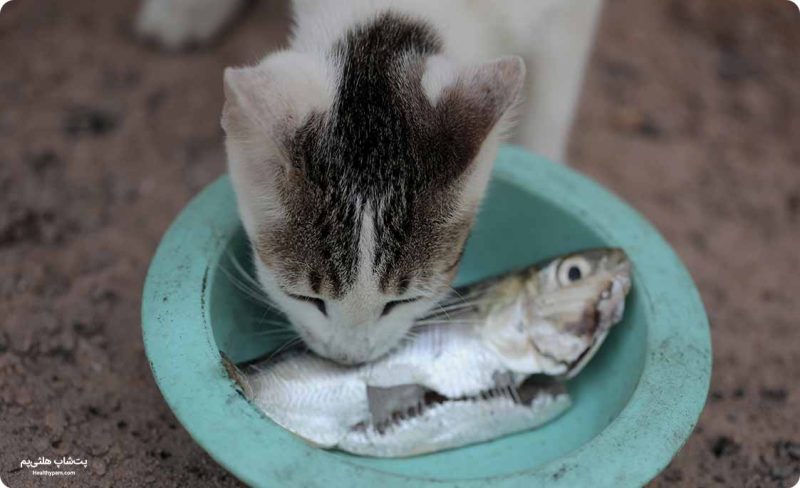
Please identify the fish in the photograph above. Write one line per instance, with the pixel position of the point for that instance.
(491, 361)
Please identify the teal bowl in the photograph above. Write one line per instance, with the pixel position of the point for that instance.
(634, 405)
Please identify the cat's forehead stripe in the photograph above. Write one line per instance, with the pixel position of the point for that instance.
(378, 145)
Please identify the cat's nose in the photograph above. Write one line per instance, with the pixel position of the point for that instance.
(337, 354)
(347, 359)
(362, 320)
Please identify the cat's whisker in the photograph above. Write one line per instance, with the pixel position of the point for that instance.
(247, 283)
(275, 327)
(459, 306)
(465, 299)
(274, 315)
(286, 345)
(240, 271)
(250, 292)
(257, 299)
(286, 333)
(279, 323)
(466, 309)
(247, 276)
(442, 319)
(421, 329)
(461, 317)
(257, 296)
(443, 311)
(454, 295)
(240, 284)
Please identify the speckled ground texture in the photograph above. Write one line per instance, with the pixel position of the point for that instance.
(689, 114)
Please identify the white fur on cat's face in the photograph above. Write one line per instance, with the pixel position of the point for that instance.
(354, 328)
(265, 108)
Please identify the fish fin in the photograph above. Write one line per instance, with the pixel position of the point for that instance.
(236, 375)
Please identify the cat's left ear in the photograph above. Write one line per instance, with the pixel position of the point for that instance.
(264, 106)
(473, 109)
(272, 99)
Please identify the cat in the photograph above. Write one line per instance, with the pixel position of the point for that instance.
(360, 153)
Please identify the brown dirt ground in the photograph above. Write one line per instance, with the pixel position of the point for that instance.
(688, 113)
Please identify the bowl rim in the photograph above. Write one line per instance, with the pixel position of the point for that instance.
(631, 450)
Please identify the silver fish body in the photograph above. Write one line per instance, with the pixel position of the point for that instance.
(444, 387)
(457, 423)
(488, 373)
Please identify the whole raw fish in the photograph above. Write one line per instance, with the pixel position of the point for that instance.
(492, 364)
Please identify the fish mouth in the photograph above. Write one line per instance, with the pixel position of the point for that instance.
(606, 311)
(609, 305)
(617, 260)
(391, 407)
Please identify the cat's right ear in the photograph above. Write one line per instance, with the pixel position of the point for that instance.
(272, 99)
(264, 107)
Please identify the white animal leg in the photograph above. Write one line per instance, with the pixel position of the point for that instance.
(556, 64)
(177, 24)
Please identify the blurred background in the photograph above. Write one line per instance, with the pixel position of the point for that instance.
(691, 112)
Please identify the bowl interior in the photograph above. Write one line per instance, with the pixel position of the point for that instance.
(515, 227)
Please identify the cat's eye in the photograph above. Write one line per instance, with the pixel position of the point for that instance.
(391, 305)
(317, 302)
(573, 269)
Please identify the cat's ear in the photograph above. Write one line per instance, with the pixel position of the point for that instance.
(472, 101)
(474, 108)
(272, 99)
(264, 107)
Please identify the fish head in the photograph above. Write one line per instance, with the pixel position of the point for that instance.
(581, 293)
(552, 318)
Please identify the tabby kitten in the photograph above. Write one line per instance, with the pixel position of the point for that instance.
(360, 154)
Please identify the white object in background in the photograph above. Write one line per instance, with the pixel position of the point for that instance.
(177, 24)
(2, 3)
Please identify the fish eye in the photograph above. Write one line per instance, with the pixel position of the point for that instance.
(391, 305)
(317, 302)
(573, 269)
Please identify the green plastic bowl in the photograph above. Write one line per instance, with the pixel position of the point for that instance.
(634, 405)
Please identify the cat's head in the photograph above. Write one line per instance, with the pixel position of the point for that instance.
(358, 175)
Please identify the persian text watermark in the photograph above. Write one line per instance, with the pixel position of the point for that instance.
(64, 466)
